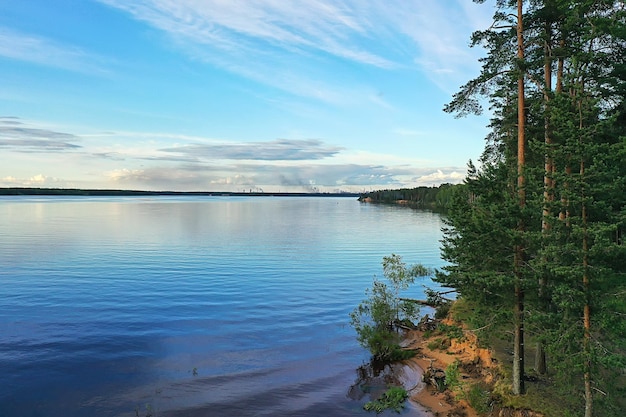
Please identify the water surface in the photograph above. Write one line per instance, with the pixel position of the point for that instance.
(191, 306)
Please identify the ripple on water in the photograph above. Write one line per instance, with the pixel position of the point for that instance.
(196, 306)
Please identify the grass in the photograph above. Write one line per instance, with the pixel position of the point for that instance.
(541, 395)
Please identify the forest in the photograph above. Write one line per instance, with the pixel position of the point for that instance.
(535, 235)
(436, 198)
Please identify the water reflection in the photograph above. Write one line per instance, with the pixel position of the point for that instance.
(107, 305)
(375, 377)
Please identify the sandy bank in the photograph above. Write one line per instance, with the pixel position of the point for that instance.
(477, 368)
(478, 360)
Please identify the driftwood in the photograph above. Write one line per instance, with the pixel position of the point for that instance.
(426, 324)
(435, 377)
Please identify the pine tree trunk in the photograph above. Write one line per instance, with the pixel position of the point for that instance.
(521, 117)
(518, 347)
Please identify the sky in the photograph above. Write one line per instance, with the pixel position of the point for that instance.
(236, 95)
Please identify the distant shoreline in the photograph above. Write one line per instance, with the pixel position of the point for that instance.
(15, 191)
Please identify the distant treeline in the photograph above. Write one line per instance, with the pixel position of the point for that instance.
(113, 193)
(432, 198)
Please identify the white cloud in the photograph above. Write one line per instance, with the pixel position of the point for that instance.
(286, 177)
(9, 181)
(162, 161)
(125, 174)
(301, 37)
(439, 31)
(454, 176)
(38, 180)
(297, 26)
(38, 50)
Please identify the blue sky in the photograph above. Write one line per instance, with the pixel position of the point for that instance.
(233, 95)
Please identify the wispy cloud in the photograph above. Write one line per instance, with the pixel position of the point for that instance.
(441, 30)
(283, 43)
(161, 161)
(42, 51)
(277, 150)
(16, 135)
(296, 26)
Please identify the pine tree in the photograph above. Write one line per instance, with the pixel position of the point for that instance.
(500, 68)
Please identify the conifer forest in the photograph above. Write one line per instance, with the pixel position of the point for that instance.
(535, 234)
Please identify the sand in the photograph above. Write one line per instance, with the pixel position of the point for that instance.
(444, 404)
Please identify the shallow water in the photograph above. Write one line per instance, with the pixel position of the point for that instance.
(192, 306)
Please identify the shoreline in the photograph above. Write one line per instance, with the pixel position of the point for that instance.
(467, 353)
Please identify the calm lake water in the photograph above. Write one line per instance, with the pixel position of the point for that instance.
(198, 306)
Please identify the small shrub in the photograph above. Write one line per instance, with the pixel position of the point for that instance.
(392, 399)
(452, 331)
(453, 380)
(399, 354)
(377, 319)
(478, 397)
(442, 311)
(441, 343)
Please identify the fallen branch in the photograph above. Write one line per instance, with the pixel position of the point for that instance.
(480, 328)
(402, 326)
(413, 300)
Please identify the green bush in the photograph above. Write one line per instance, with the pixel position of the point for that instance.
(392, 399)
(442, 311)
(441, 343)
(453, 374)
(376, 318)
(479, 398)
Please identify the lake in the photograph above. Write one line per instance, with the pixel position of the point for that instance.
(192, 306)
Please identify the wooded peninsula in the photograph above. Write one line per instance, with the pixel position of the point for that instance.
(437, 198)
